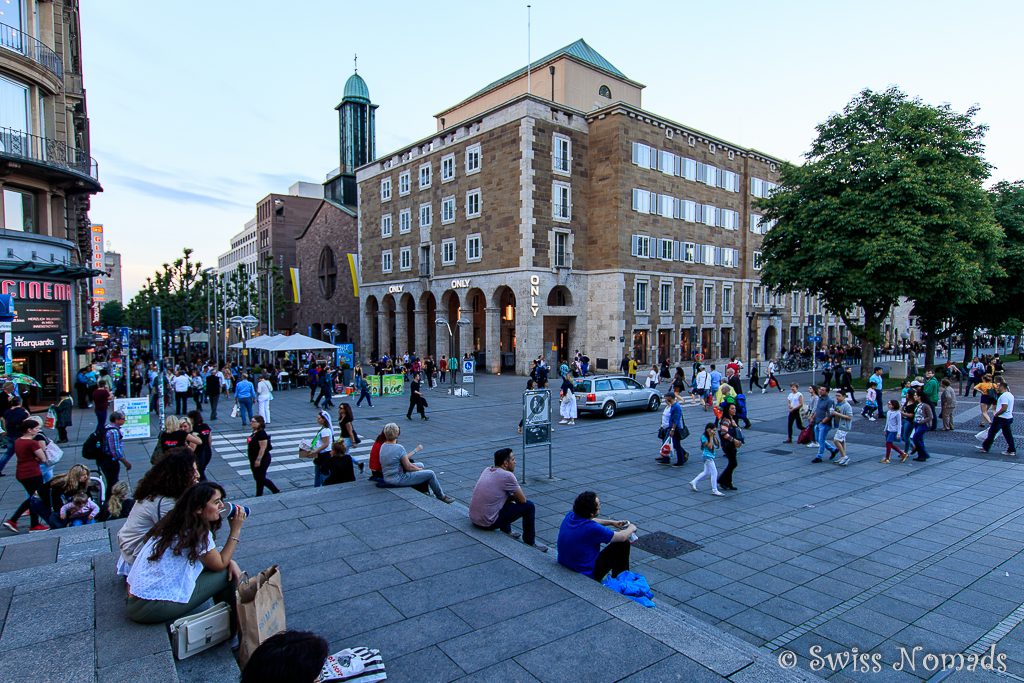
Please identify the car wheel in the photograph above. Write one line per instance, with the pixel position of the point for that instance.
(609, 409)
(654, 403)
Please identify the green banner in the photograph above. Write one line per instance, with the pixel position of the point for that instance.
(393, 385)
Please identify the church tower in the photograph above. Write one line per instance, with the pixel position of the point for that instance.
(356, 127)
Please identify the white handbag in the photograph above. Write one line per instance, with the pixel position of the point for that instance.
(192, 634)
(53, 453)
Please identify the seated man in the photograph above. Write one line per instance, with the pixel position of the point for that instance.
(582, 533)
(498, 500)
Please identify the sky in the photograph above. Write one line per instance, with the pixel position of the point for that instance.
(200, 109)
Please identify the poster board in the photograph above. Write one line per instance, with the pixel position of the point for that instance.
(136, 416)
(386, 385)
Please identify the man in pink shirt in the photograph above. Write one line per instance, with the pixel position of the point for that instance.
(498, 500)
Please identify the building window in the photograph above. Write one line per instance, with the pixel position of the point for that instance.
(448, 210)
(404, 221)
(403, 183)
(426, 215)
(385, 190)
(425, 260)
(473, 159)
(641, 246)
(385, 261)
(424, 176)
(405, 258)
(761, 188)
(561, 154)
(640, 289)
(689, 252)
(327, 272)
(19, 210)
(473, 204)
(755, 295)
(473, 248)
(448, 252)
(447, 168)
(665, 297)
(709, 299)
(385, 225)
(757, 260)
(605, 91)
(562, 256)
(727, 299)
(688, 297)
(561, 201)
(665, 249)
(796, 304)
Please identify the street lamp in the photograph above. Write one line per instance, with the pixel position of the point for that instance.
(244, 324)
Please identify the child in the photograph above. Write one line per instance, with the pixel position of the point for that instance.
(120, 502)
(893, 430)
(708, 444)
(844, 418)
(870, 404)
(63, 408)
(81, 510)
(812, 403)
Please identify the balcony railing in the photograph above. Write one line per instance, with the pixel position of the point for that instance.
(18, 144)
(18, 41)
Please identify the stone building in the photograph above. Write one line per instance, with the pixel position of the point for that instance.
(566, 218)
(329, 301)
(46, 180)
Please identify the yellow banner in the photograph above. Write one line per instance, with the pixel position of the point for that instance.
(353, 266)
(296, 290)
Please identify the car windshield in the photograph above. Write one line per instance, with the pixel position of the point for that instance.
(581, 386)
(618, 383)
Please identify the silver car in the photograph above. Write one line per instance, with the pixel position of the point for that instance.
(607, 394)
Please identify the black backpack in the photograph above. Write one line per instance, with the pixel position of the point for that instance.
(92, 449)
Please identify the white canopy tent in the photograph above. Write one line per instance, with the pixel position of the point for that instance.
(297, 342)
(264, 342)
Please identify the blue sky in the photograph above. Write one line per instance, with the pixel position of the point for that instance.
(199, 109)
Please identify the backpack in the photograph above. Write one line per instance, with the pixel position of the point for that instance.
(93, 447)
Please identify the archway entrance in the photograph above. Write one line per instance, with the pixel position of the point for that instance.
(452, 306)
(389, 343)
(771, 342)
(506, 300)
(408, 340)
(478, 316)
(429, 304)
(372, 325)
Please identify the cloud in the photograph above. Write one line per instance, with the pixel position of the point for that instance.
(176, 194)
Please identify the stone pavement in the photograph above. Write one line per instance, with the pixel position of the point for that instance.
(869, 556)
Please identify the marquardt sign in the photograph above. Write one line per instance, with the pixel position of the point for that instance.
(40, 290)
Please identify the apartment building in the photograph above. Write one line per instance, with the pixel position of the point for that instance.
(46, 180)
(550, 212)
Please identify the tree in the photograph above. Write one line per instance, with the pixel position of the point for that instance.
(178, 288)
(890, 191)
(112, 314)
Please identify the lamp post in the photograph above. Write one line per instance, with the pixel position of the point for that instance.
(244, 324)
(442, 322)
(332, 332)
(750, 340)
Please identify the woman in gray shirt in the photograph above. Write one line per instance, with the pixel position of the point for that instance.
(399, 470)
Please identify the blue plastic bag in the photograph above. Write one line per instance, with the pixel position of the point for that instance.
(633, 586)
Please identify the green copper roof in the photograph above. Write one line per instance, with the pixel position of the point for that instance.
(355, 89)
(579, 50)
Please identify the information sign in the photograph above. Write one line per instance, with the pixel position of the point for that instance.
(136, 416)
(468, 366)
(386, 385)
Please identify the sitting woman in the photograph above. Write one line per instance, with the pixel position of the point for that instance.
(179, 567)
(119, 504)
(337, 467)
(63, 488)
(375, 473)
(582, 533)
(155, 496)
(399, 470)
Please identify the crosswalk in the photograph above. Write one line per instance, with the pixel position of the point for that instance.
(232, 448)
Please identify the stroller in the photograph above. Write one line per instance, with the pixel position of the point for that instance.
(97, 490)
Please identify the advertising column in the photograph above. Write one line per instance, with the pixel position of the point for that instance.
(99, 288)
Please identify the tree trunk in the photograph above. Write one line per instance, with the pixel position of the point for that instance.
(929, 349)
(968, 344)
(867, 357)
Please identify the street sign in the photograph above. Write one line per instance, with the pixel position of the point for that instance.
(536, 424)
(814, 338)
(468, 366)
(136, 416)
(467, 378)
(6, 326)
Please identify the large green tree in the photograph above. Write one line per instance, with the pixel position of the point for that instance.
(112, 314)
(889, 204)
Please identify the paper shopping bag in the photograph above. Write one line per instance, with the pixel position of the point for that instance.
(260, 604)
(234, 410)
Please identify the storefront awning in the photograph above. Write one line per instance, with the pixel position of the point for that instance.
(69, 271)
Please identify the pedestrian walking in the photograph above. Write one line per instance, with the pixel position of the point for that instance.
(673, 427)
(416, 400)
(893, 430)
(320, 446)
(182, 386)
(795, 402)
(109, 461)
(731, 439)
(258, 449)
(878, 382)
(987, 388)
(1002, 420)
(31, 454)
(245, 395)
(870, 404)
(947, 402)
(264, 395)
(363, 387)
(822, 422)
(845, 383)
(325, 385)
(214, 387)
(923, 416)
(204, 451)
(708, 443)
(755, 378)
(843, 414)
(567, 402)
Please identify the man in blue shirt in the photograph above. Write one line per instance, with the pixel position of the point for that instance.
(672, 424)
(876, 381)
(245, 394)
(716, 380)
(581, 535)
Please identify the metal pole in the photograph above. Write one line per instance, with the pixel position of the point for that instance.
(158, 336)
